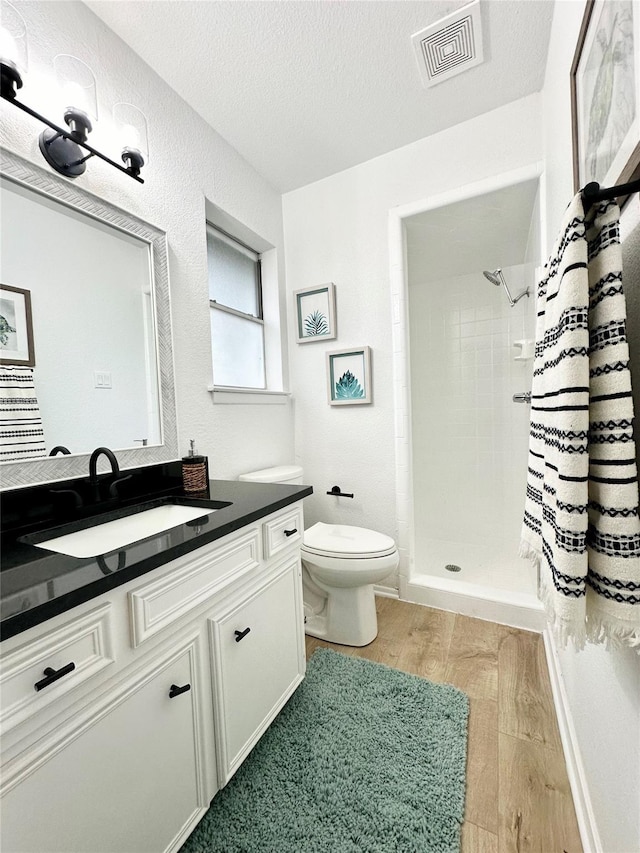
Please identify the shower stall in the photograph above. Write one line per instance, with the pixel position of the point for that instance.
(468, 351)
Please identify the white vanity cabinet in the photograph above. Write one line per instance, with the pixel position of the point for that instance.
(126, 751)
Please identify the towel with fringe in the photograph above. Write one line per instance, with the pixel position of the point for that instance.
(21, 433)
(581, 523)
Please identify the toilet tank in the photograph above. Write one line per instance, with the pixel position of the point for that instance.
(291, 474)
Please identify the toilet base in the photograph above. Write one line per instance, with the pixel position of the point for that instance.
(348, 617)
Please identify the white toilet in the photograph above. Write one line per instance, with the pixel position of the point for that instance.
(340, 564)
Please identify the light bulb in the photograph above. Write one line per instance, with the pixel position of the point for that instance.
(73, 95)
(8, 49)
(129, 136)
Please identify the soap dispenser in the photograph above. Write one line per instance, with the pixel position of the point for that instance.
(195, 471)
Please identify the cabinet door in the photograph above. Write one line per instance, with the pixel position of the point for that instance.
(126, 778)
(258, 652)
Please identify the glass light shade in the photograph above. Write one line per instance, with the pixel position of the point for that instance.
(131, 129)
(76, 84)
(13, 38)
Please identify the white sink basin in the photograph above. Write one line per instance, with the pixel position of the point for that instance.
(111, 535)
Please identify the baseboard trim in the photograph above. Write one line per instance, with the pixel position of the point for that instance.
(589, 834)
(386, 591)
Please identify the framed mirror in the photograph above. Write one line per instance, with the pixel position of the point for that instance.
(92, 364)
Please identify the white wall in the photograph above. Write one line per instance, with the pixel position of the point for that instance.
(603, 687)
(336, 230)
(188, 163)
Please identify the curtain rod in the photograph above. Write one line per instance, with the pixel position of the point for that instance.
(594, 192)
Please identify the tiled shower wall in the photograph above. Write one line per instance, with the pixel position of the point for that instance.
(469, 438)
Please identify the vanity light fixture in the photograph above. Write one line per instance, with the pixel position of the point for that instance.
(66, 149)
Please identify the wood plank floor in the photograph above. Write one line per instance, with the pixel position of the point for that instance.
(518, 797)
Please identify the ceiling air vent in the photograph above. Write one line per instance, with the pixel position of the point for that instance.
(449, 46)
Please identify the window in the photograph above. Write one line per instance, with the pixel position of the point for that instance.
(235, 300)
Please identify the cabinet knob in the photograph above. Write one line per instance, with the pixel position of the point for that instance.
(241, 634)
(174, 690)
(290, 532)
(52, 675)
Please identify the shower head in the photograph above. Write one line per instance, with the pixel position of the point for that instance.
(494, 276)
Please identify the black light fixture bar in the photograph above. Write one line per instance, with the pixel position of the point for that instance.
(73, 138)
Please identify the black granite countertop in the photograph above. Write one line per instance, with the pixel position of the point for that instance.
(36, 584)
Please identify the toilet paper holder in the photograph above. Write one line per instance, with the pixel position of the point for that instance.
(337, 492)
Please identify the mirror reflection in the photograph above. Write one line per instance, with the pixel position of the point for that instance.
(77, 331)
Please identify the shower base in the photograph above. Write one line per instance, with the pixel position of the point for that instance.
(490, 584)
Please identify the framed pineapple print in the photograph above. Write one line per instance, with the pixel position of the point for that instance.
(605, 94)
(316, 313)
(349, 376)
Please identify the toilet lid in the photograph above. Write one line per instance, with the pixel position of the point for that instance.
(347, 541)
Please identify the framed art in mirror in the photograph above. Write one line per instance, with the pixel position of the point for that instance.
(16, 329)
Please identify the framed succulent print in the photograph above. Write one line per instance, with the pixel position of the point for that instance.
(349, 376)
(605, 94)
(316, 313)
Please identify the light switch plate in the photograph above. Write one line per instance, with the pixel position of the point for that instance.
(102, 378)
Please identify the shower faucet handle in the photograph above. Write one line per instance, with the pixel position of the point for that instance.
(525, 397)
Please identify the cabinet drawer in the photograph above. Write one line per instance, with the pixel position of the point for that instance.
(157, 604)
(282, 531)
(35, 674)
(258, 652)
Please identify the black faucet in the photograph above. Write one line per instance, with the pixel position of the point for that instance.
(60, 448)
(94, 482)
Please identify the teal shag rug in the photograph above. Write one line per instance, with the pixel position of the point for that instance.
(362, 759)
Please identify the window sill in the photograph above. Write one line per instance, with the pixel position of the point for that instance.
(248, 396)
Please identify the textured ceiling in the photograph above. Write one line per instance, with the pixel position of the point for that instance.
(305, 89)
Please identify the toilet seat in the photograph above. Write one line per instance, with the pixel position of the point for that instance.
(346, 542)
